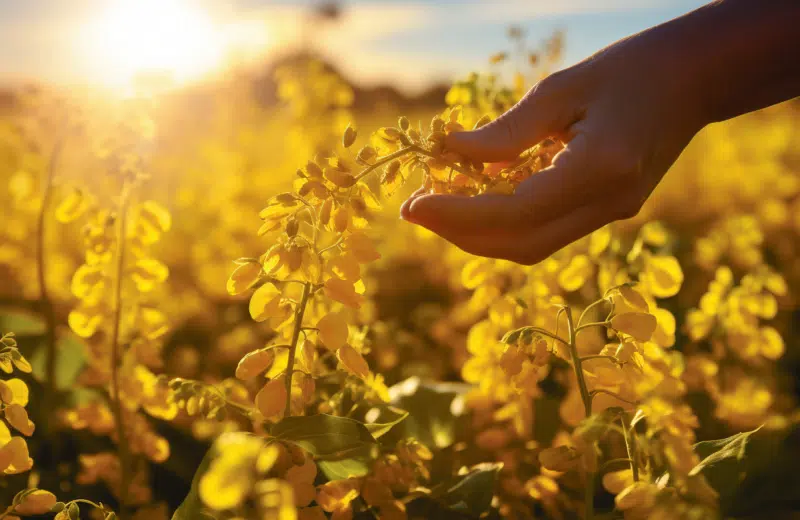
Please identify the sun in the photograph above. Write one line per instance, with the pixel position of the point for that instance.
(172, 39)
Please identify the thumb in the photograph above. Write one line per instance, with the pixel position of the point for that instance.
(539, 114)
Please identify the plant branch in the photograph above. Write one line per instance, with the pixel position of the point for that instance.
(612, 394)
(122, 440)
(298, 326)
(630, 447)
(586, 310)
(384, 160)
(587, 406)
(593, 324)
(599, 356)
(46, 305)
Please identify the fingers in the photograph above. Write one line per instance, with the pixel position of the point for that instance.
(531, 245)
(541, 113)
(569, 183)
(405, 207)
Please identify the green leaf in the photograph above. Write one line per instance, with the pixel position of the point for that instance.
(342, 446)
(323, 435)
(388, 417)
(357, 463)
(717, 451)
(471, 493)
(435, 411)
(70, 360)
(22, 323)
(746, 469)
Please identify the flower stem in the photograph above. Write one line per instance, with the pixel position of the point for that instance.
(599, 356)
(630, 447)
(554, 337)
(298, 326)
(45, 304)
(383, 160)
(593, 324)
(116, 347)
(587, 406)
(588, 308)
(609, 392)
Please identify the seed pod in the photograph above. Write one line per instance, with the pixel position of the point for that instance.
(390, 172)
(389, 133)
(339, 178)
(286, 199)
(341, 219)
(413, 134)
(313, 170)
(74, 511)
(453, 127)
(349, 136)
(325, 212)
(366, 155)
(294, 258)
(291, 227)
(437, 124)
(404, 123)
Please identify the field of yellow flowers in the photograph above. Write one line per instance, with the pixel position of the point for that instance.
(210, 310)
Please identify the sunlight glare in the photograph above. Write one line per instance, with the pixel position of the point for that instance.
(172, 38)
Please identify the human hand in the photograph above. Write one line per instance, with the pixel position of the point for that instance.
(625, 115)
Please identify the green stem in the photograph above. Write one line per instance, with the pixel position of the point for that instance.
(384, 160)
(599, 356)
(630, 447)
(119, 419)
(298, 326)
(612, 394)
(550, 335)
(588, 308)
(587, 406)
(45, 303)
(593, 324)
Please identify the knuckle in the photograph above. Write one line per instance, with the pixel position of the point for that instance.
(548, 86)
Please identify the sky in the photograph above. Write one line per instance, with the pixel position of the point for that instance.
(411, 44)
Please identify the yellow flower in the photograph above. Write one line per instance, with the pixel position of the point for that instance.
(271, 399)
(640, 325)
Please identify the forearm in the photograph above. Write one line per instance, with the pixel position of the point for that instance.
(743, 54)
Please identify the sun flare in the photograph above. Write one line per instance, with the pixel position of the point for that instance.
(174, 39)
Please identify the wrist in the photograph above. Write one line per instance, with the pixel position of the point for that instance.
(739, 55)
